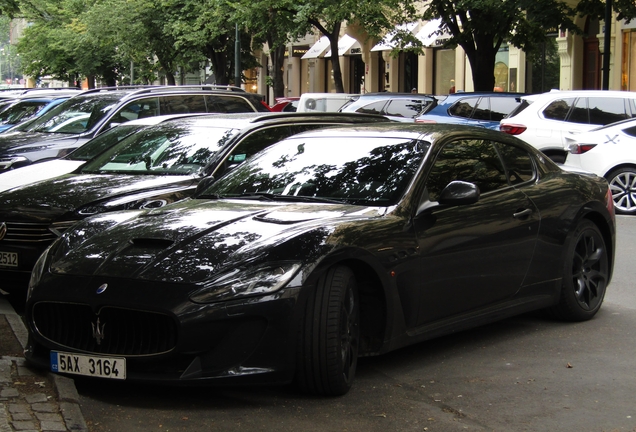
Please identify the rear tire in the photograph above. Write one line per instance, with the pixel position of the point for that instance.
(585, 274)
(623, 186)
(329, 335)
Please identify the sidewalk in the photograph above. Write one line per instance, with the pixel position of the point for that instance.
(32, 400)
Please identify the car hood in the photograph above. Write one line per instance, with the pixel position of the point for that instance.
(37, 172)
(26, 141)
(54, 199)
(193, 240)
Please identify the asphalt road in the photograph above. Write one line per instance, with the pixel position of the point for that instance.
(524, 374)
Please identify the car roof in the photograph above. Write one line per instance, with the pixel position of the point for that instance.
(554, 94)
(254, 119)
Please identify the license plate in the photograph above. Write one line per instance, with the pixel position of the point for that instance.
(95, 366)
(8, 259)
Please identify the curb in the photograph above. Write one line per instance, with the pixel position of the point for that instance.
(63, 386)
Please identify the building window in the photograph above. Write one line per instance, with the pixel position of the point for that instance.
(628, 68)
(444, 71)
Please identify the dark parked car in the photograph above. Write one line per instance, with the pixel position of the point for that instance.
(149, 169)
(77, 120)
(404, 107)
(22, 110)
(323, 247)
(474, 109)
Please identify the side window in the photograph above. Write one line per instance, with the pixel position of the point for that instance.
(133, 111)
(579, 113)
(464, 108)
(518, 163)
(182, 104)
(147, 107)
(482, 111)
(474, 161)
(632, 106)
(372, 108)
(607, 110)
(407, 108)
(500, 107)
(630, 131)
(558, 109)
(259, 140)
(228, 104)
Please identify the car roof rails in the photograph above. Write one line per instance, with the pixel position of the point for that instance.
(155, 88)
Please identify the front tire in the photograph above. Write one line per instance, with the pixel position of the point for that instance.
(585, 274)
(329, 335)
(623, 186)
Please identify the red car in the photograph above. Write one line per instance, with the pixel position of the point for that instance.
(285, 104)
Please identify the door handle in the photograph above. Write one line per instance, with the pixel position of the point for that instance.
(522, 214)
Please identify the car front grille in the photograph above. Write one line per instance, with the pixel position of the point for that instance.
(26, 232)
(114, 331)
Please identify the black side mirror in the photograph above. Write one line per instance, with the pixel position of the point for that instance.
(203, 185)
(459, 193)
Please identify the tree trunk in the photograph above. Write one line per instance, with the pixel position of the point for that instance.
(170, 78)
(278, 59)
(482, 63)
(219, 62)
(335, 63)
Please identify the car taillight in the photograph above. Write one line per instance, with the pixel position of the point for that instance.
(425, 121)
(581, 148)
(512, 129)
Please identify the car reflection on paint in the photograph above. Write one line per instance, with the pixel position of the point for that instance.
(326, 246)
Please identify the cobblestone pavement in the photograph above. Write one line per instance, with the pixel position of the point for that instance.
(32, 400)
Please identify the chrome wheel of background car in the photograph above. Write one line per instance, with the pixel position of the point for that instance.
(586, 274)
(623, 185)
(329, 335)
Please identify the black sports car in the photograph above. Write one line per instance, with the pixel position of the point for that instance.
(326, 246)
(147, 169)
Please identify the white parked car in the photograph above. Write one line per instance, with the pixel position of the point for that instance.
(544, 120)
(323, 102)
(69, 163)
(610, 152)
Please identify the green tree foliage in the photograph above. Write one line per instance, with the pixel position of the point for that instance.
(58, 43)
(480, 27)
(204, 30)
(327, 16)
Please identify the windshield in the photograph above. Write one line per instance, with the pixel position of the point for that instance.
(162, 150)
(74, 116)
(21, 111)
(102, 142)
(356, 170)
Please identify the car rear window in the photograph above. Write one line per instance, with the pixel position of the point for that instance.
(558, 109)
(500, 107)
(522, 105)
(464, 107)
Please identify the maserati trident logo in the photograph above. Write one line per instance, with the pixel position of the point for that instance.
(98, 331)
(3, 230)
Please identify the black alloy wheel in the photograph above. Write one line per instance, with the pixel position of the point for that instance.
(329, 335)
(586, 274)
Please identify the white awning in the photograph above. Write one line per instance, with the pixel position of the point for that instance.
(317, 49)
(345, 44)
(387, 43)
(429, 34)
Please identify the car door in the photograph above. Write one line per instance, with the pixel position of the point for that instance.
(473, 256)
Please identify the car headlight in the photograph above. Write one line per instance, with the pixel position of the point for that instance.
(38, 271)
(243, 282)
